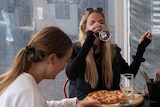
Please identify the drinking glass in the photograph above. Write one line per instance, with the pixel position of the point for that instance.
(126, 86)
(104, 34)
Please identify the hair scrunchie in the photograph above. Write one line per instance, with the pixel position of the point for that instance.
(29, 49)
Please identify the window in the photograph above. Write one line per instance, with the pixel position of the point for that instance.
(132, 19)
(155, 16)
(145, 15)
(32, 15)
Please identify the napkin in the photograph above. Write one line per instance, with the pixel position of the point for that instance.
(157, 76)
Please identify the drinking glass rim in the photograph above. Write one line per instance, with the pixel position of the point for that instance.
(127, 74)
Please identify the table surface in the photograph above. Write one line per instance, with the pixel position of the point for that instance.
(148, 103)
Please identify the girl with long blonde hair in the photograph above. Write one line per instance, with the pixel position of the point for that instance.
(96, 64)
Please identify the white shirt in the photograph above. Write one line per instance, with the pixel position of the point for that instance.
(23, 92)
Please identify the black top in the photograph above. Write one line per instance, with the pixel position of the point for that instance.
(77, 65)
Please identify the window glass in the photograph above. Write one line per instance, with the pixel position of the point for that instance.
(145, 15)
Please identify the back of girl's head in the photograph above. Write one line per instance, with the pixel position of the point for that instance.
(47, 41)
(43, 43)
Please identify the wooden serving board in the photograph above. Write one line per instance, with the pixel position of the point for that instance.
(137, 101)
(109, 105)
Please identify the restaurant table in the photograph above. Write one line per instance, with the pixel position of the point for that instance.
(148, 103)
(140, 102)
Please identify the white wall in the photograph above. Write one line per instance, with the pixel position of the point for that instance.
(121, 27)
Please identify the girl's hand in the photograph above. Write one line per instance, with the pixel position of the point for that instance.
(148, 35)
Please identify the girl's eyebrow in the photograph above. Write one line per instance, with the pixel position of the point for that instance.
(100, 21)
(92, 21)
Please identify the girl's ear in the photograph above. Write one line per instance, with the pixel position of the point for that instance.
(83, 27)
(52, 58)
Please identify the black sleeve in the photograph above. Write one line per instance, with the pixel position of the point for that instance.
(77, 63)
(137, 59)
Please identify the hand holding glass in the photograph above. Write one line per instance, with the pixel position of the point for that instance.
(103, 34)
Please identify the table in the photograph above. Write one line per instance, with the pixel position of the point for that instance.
(148, 103)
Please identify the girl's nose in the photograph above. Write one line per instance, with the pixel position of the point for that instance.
(98, 25)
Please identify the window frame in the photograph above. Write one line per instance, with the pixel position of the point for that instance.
(122, 28)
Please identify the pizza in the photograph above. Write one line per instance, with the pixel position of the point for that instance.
(107, 97)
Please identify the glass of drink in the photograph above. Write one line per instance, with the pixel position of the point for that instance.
(126, 86)
(103, 34)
